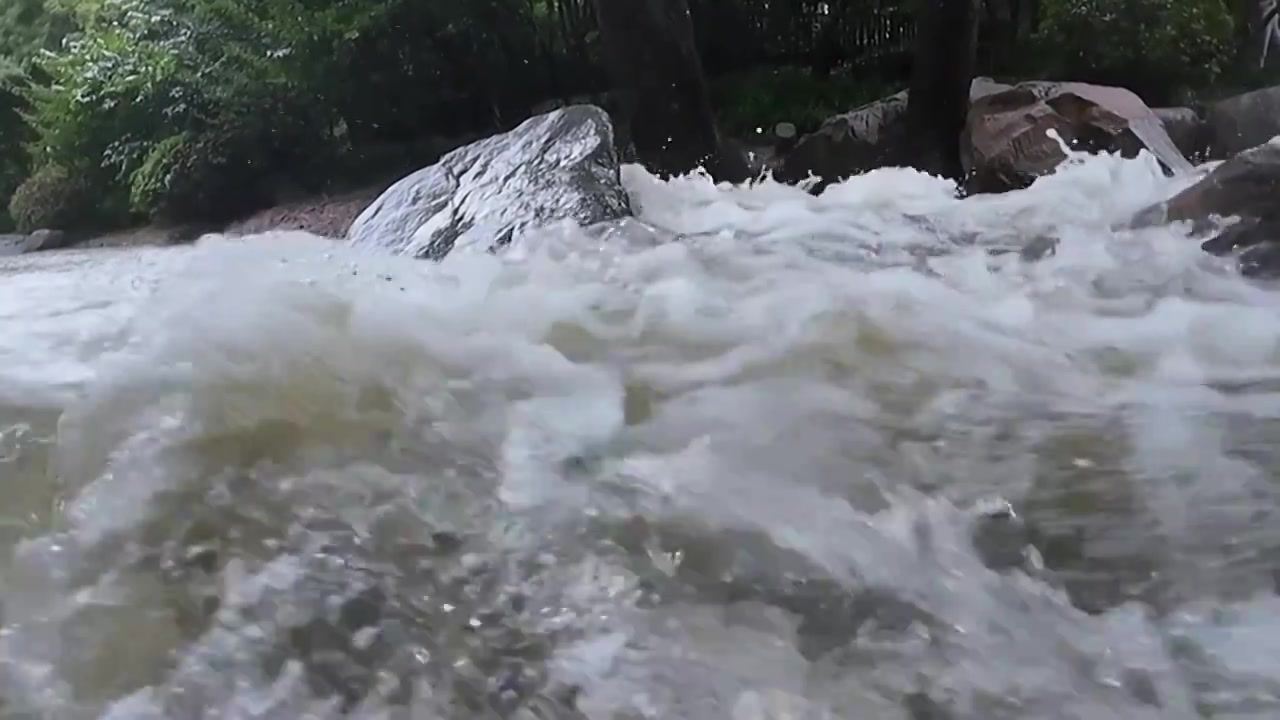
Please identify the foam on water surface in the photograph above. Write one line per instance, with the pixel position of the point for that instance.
(725, 462)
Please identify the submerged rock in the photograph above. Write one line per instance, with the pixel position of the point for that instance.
(1007, 144)
(557, 166)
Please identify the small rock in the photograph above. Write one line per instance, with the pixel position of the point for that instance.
(42, 240)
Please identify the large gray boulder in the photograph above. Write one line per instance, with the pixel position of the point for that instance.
(557, 166)
(1244, 121)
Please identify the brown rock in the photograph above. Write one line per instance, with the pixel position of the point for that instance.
(1006, 144)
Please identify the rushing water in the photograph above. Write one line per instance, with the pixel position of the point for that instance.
(880, 454)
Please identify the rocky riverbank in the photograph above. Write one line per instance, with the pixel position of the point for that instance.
(1014, 135)
(326, 216)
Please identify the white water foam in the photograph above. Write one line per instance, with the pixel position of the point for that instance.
(727, 465)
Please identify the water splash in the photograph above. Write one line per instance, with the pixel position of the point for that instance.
(743, 457)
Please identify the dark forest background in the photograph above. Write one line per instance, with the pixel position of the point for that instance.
(119, 111)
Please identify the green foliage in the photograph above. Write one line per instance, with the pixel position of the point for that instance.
(1160, 49)
(751, 102)
(229, 74)
(53, 197)
(28, 27)
(214, 175)
(162, 181)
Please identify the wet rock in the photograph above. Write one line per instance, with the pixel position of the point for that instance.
(1039, 248)
(1244, 121)
(1243, 235)
(860, 140)
(1247, 185)
(339, 653)
(920, 706)
(1263, 261)
(1185, 128)
(42, 240)
(1006, 144)
(1000, 539)
(557, 166)
(845, 145)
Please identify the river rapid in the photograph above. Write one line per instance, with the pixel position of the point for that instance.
(878, 454)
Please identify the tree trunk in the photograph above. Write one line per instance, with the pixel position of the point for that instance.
(655, 66)
(945, 54)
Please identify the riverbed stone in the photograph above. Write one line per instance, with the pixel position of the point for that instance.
(558, 166)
